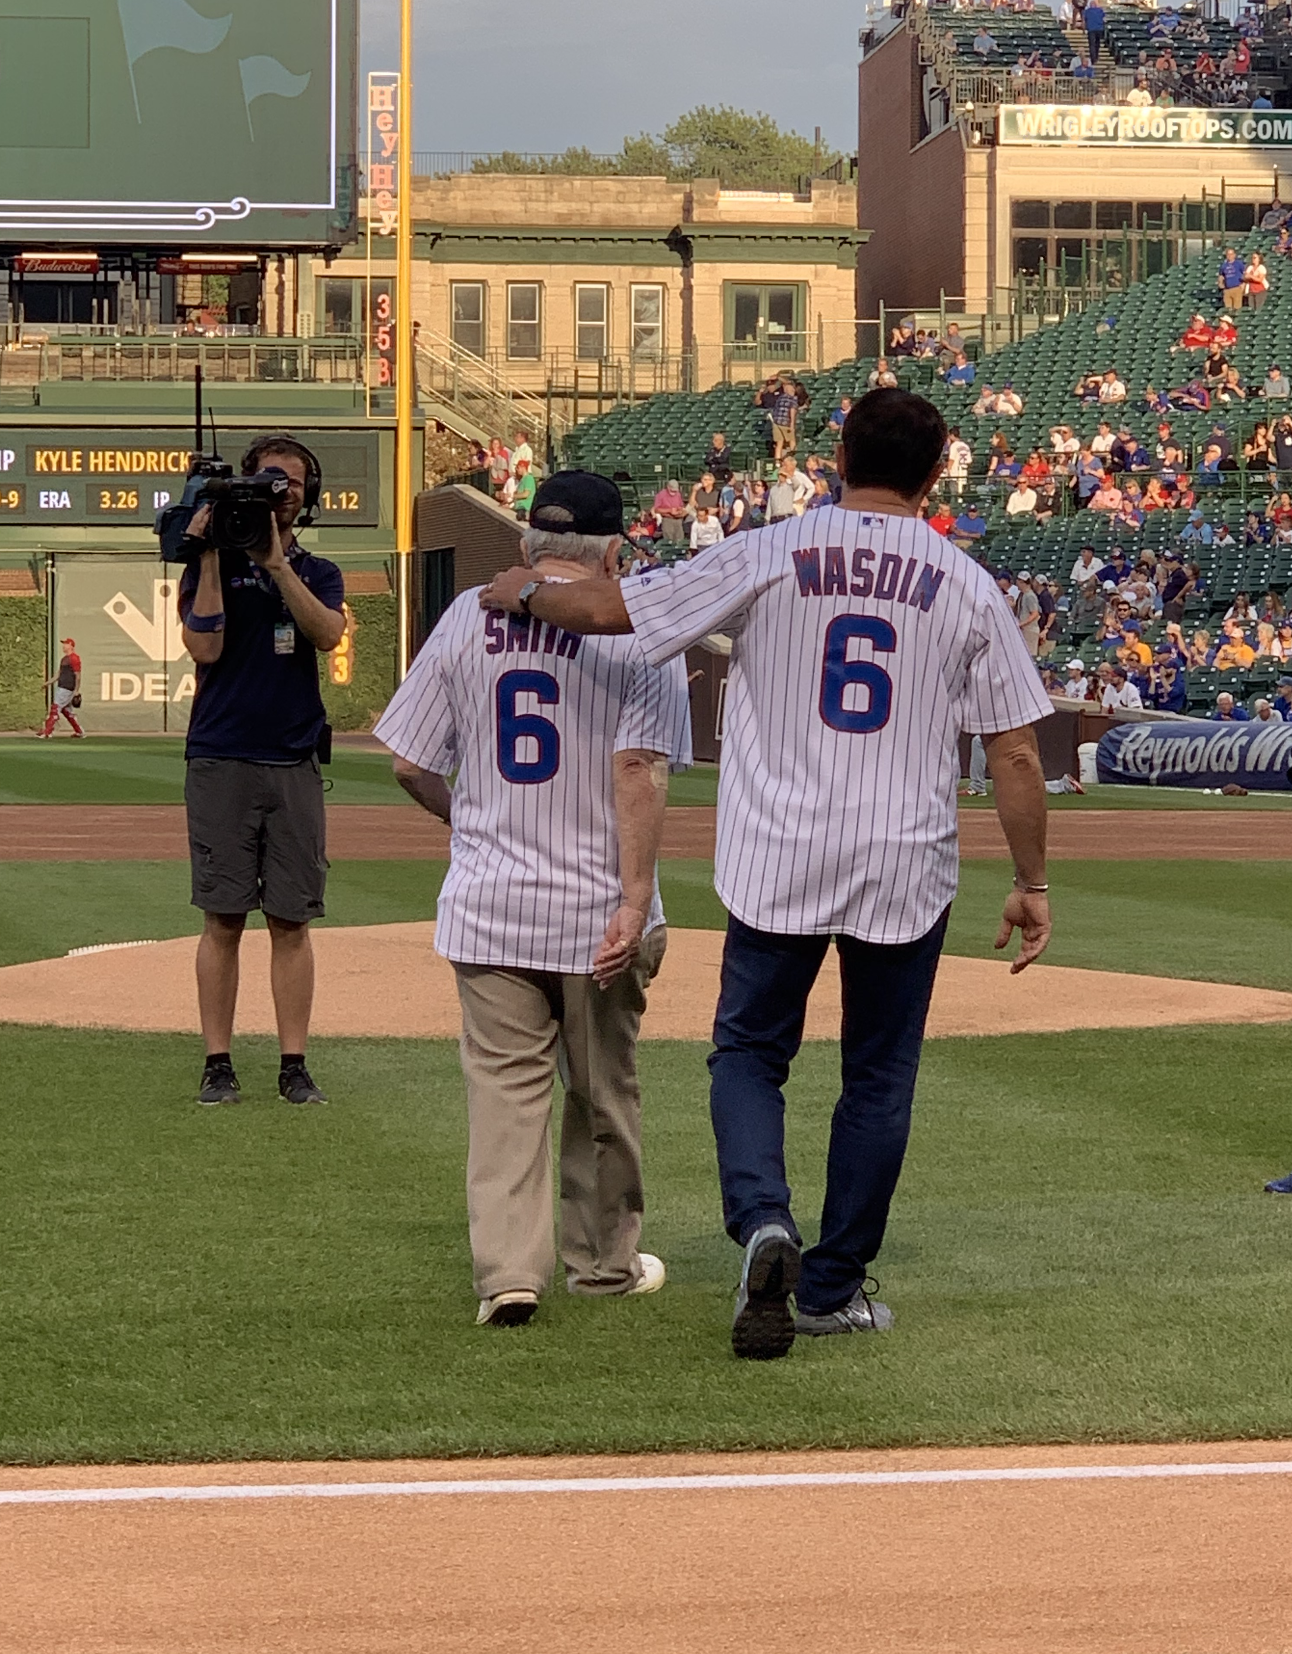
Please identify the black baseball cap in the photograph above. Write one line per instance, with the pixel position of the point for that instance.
(577, 502)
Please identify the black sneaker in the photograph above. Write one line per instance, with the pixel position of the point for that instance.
(295, 1085)
(763, 1328)
(219, 1085)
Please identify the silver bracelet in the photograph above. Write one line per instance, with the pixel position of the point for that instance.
(1030, 889)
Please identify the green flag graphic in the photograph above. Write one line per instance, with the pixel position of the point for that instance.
(148, 25)
(266, 77)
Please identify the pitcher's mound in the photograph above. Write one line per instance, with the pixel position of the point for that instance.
(387, 980)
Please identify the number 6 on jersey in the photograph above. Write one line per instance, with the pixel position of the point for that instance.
(838, 673)
(515, 762)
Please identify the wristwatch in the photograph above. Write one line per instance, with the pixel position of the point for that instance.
(526, 592)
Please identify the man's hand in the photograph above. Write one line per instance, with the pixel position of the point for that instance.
(503, 591)
(273, 561)
(620, 945)
(1030, 915)
(199, 523)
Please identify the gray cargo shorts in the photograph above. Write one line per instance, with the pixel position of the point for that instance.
(257, 837)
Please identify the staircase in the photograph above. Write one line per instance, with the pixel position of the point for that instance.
(472, 398)
(1104, 91)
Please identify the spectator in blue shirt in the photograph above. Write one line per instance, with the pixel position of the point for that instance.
(1116, 568)
(1283, 700)
(1166, 690)
(1196, 532)
(1083, 69)
(1088, 474)
(1094, 21)
(839, 415)
(969, 526)
(1230, 280)
(961, 371)
(1228, 710)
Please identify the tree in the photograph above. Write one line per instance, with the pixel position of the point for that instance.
(742, 151)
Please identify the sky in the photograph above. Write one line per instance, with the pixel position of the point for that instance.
(547, 74)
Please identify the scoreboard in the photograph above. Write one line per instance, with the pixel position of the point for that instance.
(86, 479)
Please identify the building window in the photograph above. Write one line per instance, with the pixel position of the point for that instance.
(1031, 215)
(524, 321)
(765, 323)
(340, 307)
(591, 322)
(648, 322)
(467, 300)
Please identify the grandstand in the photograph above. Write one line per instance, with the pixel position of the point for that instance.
(668, 436)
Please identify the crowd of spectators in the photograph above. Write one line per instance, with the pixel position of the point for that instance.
(512, 473)
(1185, 61)
(680, 522)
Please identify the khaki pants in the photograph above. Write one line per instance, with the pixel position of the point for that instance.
(1232, 297)
(518, 1028)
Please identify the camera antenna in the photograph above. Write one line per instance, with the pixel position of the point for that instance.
(197, 415)
(215, 441)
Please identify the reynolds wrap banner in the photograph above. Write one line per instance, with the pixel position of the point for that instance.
(1189, 754)
(1108, 124)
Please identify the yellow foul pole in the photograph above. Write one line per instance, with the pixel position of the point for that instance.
(405, 367)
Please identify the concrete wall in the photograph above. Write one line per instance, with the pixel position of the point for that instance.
(910, 195)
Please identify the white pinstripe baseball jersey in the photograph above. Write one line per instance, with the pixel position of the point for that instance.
(863, 645)
(530, 717)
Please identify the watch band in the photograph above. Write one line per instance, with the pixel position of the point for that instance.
(526, 592)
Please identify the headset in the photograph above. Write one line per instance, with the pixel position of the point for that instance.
(288, 444)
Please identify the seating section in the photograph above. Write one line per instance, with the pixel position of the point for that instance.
(1126, 36)
(1013, 32)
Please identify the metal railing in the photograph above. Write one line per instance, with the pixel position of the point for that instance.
(476, 388)
(240, 360)
(442, 163)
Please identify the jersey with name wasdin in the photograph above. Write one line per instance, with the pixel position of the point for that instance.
(531, 716)
(863, 643)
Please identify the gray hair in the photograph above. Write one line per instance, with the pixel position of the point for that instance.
(570, 548)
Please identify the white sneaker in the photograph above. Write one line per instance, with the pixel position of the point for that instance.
(653, 1276)
(507, 1309)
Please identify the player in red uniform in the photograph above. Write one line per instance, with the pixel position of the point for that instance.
(66, 684)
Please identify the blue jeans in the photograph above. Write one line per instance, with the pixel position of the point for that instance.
(766, 980)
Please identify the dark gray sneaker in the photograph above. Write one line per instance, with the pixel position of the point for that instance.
(219, 1085)
(861, 1313)
(295, 1085)
(763, 1328)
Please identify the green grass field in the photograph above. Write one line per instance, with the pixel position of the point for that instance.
(1217, 921)
(1080, 1251)
(150, 770)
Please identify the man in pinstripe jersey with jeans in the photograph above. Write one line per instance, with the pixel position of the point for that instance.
(863, 645)
(550, 912)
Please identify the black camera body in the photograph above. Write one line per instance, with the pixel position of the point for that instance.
(242, 511)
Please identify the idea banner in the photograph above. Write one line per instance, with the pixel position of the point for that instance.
(136, 675)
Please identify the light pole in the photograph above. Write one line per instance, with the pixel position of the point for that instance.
(405, 367)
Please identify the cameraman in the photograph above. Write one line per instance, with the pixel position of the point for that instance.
(254, 792)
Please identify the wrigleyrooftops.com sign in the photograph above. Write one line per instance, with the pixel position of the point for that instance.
(1112, 125)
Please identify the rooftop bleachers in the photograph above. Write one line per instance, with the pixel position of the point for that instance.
(1127, 35)
(1013, 32)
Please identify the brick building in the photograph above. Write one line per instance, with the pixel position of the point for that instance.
(614, 283)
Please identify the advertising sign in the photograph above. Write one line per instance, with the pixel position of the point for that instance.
(385, 135)
(86, 479)
(136, 674)
(1118, 126)
(147, 121)
(1195, 754)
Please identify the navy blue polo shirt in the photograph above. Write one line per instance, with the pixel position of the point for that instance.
(257, 703)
